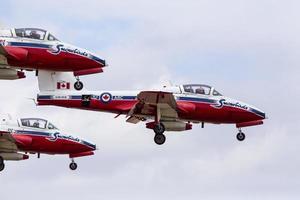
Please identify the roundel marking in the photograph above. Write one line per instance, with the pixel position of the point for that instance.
(105, 97)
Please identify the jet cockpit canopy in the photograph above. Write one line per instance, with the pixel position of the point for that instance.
(200, 89)
(34, 33)
(37, 123)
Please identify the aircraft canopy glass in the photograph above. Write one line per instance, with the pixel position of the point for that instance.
(52, 38)
(37, 123)
(32, 33)
(51, 126)
(200, 89)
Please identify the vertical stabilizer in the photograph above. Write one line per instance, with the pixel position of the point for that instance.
(55, 81)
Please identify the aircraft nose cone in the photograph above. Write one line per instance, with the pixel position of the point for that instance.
(259, 113)
(94, 147)
(91, 146)
(262, 114)
(98, 59)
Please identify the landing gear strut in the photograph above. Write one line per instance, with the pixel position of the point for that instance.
(159, 128)
(240, 136)
(78, 85)
(73, 165)
(2, 165)
(159, 137)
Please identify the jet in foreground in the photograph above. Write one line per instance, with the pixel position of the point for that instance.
(36, 136)
(174, 108)
(37, 49)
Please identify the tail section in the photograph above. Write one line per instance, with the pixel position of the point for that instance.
(59, 89)
(50, 81)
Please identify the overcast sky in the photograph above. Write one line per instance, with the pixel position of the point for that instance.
(248, 50)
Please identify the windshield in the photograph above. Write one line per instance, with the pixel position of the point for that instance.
(52, 38)
(52, 127)
(216, 93)
(34, 123)
(31, 33)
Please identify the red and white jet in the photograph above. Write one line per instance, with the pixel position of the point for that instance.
(170, 109)
(37, 49)
(36, 136)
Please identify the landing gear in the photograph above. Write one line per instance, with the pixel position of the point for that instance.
(78, 85)
(159, 128)
(73, 165)
(2, 165)
(159, 137)
(240, 136)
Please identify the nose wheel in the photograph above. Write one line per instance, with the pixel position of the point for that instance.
(240, 136)
(159, 137)
(73, 165)
(78, 85)
(2, 165)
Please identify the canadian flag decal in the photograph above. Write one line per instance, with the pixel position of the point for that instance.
(63, 85)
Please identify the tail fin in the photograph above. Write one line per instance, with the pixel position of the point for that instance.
(55, 81)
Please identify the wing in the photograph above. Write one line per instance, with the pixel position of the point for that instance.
(7, 73)
(9, 53)
(7, 142)
(3, 54)
(2, 51)
(153, 104)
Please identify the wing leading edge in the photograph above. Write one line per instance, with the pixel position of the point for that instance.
(7, 143)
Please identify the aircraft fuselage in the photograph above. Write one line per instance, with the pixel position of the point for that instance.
(194, 108)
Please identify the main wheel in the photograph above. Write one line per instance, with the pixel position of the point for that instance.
(240, 136)
(78, 85)
(2, 166)
(73, 166)
(1, 160)
(159, 139)
(159, 128)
